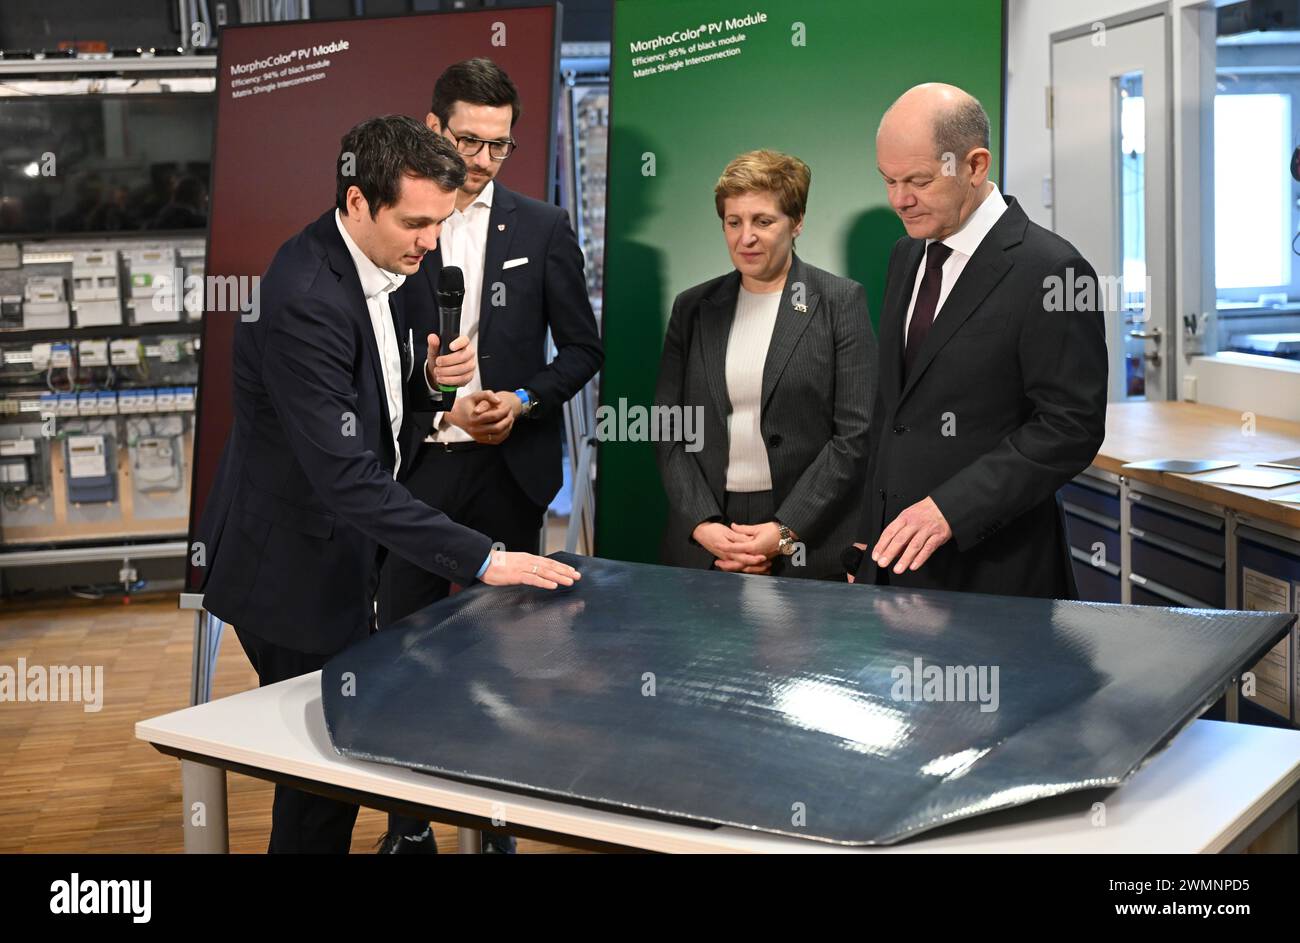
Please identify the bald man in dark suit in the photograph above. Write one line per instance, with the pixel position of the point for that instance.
(992, 390)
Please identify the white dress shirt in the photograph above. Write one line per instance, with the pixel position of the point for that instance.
(463, 242)
(963, 243)
(377, 284)
(751, 335)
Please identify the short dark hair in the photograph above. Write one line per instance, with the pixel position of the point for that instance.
(785, 177)
(961, 128)
(475, 82)
(376, 154)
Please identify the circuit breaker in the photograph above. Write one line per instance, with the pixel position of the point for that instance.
(97, 288)
(91, 468)
(157, 285)
(45, 303)
(156, 464)
(19, 463)
(11, 312)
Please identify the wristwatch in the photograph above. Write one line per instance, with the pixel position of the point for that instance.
(786, 544)
(528, 401)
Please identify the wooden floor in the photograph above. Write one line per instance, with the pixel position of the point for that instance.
(72, 781)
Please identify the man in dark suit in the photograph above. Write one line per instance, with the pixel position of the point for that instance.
(326, 382)
(493, 461)
(992, 388)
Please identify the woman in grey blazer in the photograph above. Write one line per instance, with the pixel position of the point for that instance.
(778, 358)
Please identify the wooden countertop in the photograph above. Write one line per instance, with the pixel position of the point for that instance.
(1137, 432)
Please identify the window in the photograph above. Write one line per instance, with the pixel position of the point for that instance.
(1256, 217)
(1133, 229)
(1252, 212)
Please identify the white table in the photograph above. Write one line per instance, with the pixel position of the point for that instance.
(1217, 788)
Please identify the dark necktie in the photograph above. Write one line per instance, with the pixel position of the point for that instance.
(927, 299)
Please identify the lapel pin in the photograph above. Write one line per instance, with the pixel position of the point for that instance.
(501, 227)
(802, 309)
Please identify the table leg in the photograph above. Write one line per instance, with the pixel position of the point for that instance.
(1279, 838)
(216, 628)
(207, 644)
(196, 656)
(469, 841)
(1230, 700)
(203, 797)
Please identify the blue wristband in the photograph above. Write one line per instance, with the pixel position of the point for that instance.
(483, 569)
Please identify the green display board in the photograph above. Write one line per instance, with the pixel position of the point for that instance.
(696, 82)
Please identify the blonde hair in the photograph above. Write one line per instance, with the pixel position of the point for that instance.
(765, 171)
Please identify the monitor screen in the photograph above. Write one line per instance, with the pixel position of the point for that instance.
(72, 164)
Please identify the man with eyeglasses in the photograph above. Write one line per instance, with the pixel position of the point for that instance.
(493, 462)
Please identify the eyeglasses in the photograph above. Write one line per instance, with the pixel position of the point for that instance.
(469, 146)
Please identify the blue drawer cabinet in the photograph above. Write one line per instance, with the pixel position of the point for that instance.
(1187, 553)
(1189, 572)
(1084, 533)
(1092, 509)
(1177, 553)
(1279, 559)
(1100, 497)
(1096, 584)
(1182, 525)
(1149, 592)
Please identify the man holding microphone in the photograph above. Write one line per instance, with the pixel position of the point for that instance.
(306, 505)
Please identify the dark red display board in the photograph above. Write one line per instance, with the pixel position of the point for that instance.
(286, 94)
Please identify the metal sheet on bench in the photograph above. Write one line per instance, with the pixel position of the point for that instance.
(779, 704)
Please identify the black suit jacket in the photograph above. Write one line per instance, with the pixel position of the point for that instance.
(304, 496)
(818, 381)
(547, 291)
(1005, 403)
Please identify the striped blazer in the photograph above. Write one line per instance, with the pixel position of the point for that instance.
(819, 382)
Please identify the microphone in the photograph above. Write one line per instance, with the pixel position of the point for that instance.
(451, 293)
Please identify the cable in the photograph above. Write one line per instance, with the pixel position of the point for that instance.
(100, 590)
(49, 380)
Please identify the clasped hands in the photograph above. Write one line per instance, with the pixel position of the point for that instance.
(487, 416)
(740, 548)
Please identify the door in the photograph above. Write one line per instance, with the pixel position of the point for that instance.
(1111, 182)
